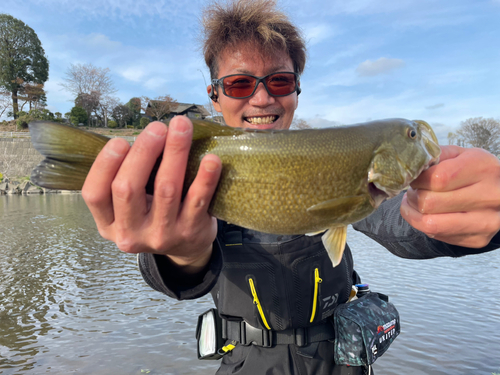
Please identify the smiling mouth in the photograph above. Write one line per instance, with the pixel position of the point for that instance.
(260, 120)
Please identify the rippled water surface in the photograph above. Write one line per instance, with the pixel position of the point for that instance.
(70, 302)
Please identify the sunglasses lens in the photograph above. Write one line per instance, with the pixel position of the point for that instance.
(239, 86)
(281, 83)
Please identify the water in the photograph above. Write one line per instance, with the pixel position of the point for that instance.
(70, 302)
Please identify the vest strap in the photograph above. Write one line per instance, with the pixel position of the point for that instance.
(246, 334)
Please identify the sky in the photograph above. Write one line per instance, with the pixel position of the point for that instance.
(434, 60)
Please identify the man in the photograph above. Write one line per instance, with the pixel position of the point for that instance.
(453, 209)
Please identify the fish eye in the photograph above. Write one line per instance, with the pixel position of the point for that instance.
(412, 133)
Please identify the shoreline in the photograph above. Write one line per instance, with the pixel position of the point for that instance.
(24, 186)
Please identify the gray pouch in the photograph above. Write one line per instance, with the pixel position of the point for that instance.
(364, 329)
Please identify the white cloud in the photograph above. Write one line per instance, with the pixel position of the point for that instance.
(317, 33)
(348, 51)
(134, 73)
(101, 42)
(409, 104)
(383, 65)
(155, 84)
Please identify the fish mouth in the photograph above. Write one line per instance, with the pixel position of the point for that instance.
(377, 195)
(380, 192)
(431, 143)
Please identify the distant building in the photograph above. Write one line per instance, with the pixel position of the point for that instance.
(194, 111)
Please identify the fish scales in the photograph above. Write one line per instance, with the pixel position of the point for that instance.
(269, 180)
(281, 182)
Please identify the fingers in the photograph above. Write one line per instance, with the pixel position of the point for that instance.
(96, 190)
(161, 224)
(170, 178)
(478, 196)
(458, 168)
(201, 191)
(128, 188)
(470, 229)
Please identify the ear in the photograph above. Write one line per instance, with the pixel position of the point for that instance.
(212, 94)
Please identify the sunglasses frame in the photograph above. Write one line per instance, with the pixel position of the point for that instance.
(220, 82)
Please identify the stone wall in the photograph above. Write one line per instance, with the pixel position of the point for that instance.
(17, 157)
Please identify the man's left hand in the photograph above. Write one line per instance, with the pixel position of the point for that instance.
(458, 200)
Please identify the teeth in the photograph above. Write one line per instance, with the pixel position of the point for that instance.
(261, 120)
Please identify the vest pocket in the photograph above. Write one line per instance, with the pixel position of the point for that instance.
(257, 302)
(249, 291)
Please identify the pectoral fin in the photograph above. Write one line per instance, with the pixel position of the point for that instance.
(314, 233)
(337, 207)
(334, 241)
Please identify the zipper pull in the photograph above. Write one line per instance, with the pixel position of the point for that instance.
(317, 279)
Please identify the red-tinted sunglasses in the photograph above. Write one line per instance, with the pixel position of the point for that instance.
(241, 86)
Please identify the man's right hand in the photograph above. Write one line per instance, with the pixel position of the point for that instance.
(115, 194)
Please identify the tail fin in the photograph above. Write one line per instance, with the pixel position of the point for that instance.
(69, 153)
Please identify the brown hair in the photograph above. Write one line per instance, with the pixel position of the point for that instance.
(233, 23)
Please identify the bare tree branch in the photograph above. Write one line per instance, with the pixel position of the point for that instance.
(5, 102)
(106, 107)
(86, 78)
(298, 123)
(159, 107)
(481, 132)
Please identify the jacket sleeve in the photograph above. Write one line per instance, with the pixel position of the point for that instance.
(161, 275)
(387, 227)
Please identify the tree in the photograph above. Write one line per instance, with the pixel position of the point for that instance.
(134, 105)
(5, 102)
(106, 106)
(92, 85)
(86, 78)
(78, 115)
(144, 122)
(89, 102)
(298, 123)
(480, 132)
(22, 57)
(121, 114)
(32, 94)
(158, 108)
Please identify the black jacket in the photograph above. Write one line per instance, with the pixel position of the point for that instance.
(284, 272)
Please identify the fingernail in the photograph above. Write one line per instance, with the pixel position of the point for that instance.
(156, 129)
(116, 149)
(180, 127)
(211, 166)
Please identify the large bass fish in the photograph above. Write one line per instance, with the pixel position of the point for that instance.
(281, 182)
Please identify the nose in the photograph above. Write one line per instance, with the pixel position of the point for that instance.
(261, 97)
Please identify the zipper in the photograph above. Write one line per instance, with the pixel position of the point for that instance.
(349, 277)
(257, 302)
(317, 281)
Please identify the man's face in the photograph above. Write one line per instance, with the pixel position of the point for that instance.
(260, 111)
